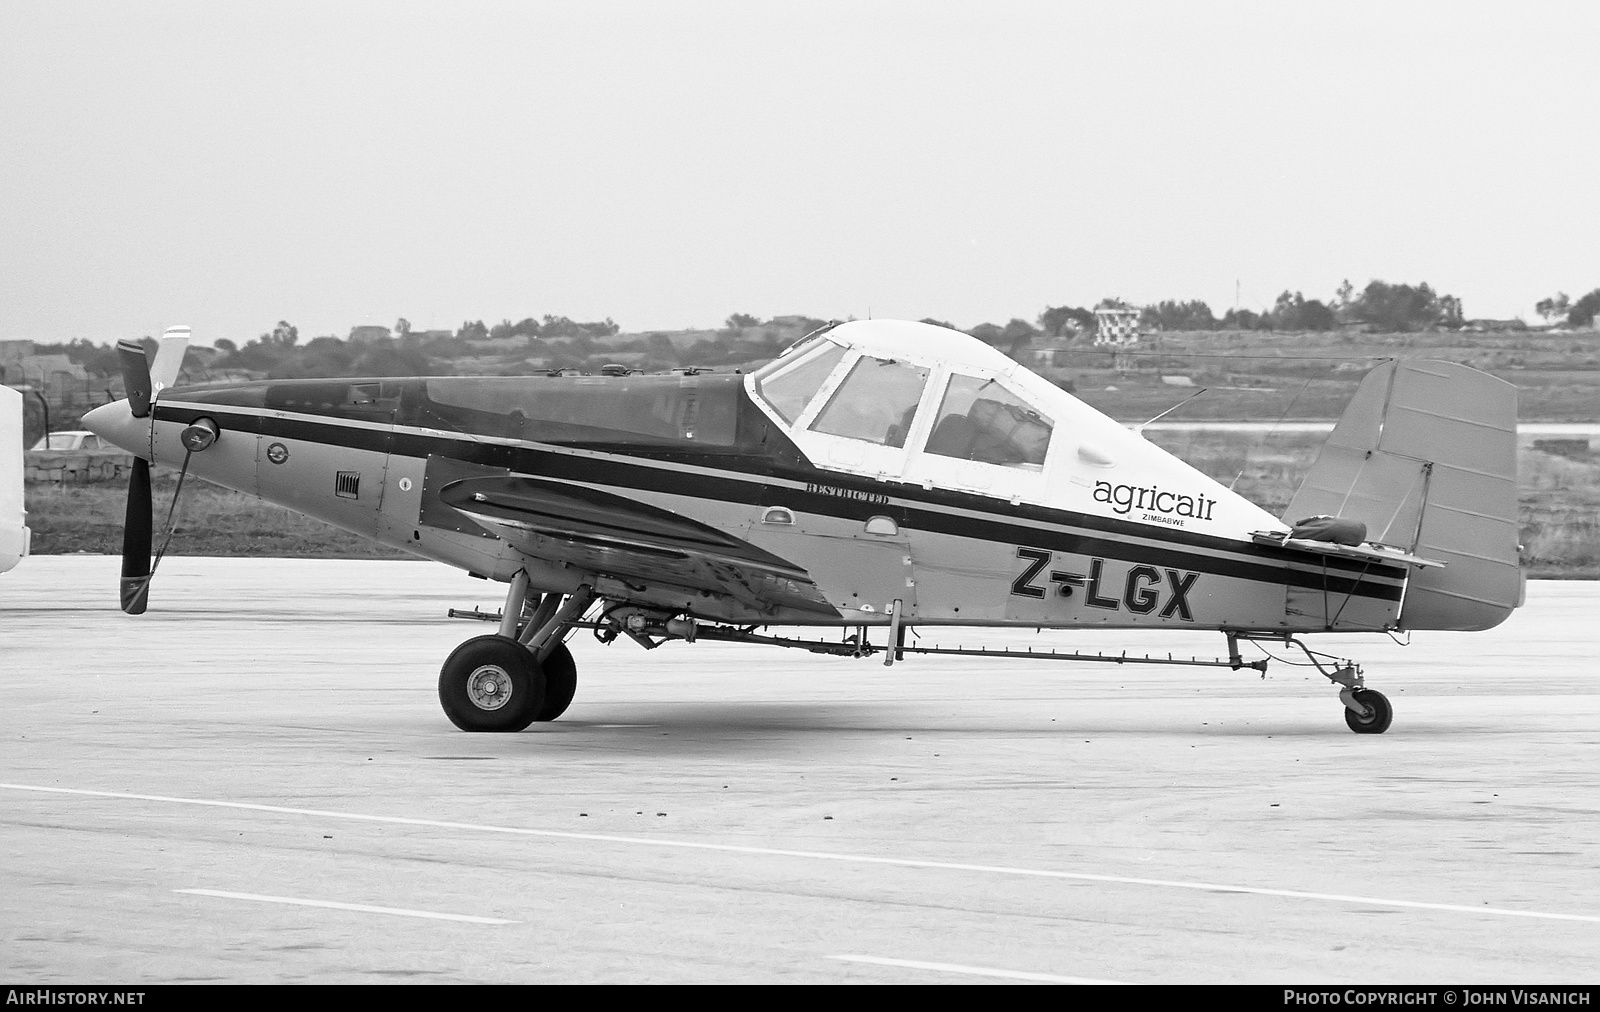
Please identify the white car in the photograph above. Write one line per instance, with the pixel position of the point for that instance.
(76, 439)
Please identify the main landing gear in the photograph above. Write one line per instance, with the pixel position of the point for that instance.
(521, 674)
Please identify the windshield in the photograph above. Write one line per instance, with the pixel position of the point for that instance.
(876, 402)
(789, 382)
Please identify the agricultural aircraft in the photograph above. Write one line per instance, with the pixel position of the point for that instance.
(877, 477)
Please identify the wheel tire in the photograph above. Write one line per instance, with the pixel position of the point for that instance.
(1382, 714)
(560, 682)
(491, 683)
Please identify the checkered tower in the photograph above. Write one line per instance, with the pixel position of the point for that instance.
(1117, 328)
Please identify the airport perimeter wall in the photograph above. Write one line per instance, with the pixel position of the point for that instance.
(75, 466)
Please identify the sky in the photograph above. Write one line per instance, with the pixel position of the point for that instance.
(229, 165)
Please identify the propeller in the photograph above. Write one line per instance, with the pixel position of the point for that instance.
(136, 533)
(135, 377)
(137, 520)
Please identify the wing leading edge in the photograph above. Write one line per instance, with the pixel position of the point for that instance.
(659, 554)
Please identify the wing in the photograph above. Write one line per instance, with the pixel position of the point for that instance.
(656, 552)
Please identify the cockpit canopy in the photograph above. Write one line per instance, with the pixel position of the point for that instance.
(910, 387)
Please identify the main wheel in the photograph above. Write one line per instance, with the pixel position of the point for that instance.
(560, 682)
(491, 683)
(1378, 720)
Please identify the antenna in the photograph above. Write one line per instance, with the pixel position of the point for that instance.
(1140, 428)
(1244, 464)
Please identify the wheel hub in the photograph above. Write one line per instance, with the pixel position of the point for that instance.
(489, 687)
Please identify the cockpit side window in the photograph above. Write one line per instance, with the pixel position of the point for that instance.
(790, 386)
(981, 420)
(876, 402)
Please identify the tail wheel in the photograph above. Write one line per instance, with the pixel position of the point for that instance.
(560, 682)
(491, 683)
(1378, 718)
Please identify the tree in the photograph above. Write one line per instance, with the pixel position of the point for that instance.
(222, 344)
(402, 327)
(560, 326)
(1401, 307)
(1450, 311)
(284, 335)
(739, 321)
(385, 358)
(988, 333)
(1016, 336)
(1169, 315)
(1556, 305)
(472, 330)
(1583, 311)
(1296, 312)
(1059, 321)
(1244, 319)
(322, 356)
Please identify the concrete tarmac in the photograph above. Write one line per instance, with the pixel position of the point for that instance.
(254, 783)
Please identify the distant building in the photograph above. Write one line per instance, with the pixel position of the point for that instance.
(1118, 328)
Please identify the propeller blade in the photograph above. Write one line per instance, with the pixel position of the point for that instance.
(169, 358)
(135, 379)
(136, 532)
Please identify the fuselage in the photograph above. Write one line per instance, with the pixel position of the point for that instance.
(13, 517)
(897, 465)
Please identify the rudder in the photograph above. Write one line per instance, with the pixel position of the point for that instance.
(1426, 456)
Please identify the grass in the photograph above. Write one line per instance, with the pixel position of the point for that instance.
(1559, 504)
(1558, 501)
(211, 521)
(1258, 375)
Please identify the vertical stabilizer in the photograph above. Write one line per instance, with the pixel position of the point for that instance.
(1426, 456)
(13, 530)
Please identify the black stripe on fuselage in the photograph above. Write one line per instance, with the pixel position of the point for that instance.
(745, 478)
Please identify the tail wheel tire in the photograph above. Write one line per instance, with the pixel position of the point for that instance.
(491, 683)
(1378, 720)
(560, 682)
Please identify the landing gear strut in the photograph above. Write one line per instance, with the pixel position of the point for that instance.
(1366, 711)
(523, 673)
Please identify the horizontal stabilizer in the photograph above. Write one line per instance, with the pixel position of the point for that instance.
(1366, 553)
(1426, 456)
